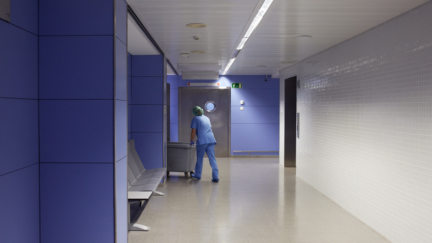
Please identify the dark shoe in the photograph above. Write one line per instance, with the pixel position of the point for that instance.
(215, 180)
(194, 177)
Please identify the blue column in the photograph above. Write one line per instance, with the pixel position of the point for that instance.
(148, 109)
(173, 81)
(83, 120)
(19, 141)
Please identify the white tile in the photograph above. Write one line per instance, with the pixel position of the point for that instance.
(366, 125)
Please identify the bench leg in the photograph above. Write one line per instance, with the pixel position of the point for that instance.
(138, 227)
(158, 193)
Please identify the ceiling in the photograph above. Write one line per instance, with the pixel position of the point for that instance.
(139, 44)
(273, 43)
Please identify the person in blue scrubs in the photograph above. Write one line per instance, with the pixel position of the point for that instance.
(201, 127)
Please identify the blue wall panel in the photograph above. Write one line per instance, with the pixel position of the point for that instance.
(147, 90)
(255, 97)
(173, 97)
(121, 20)
(76, 131)
(121, 201)
(255, 115)
(76, 67)
(174, 132)
(78, 17)
(148, 66)
(25, 14)
(129, 64)
(174, 114)
(77, 203)
(121, 129)
(19, 206)
(19, 141)
(121, 71)
(18, 62)
(149, 148)
(259, 137)
(173, 80)
(147, 118)
(129, 118)
(129, 90)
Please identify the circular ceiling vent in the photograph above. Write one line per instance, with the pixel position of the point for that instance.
(196, 25)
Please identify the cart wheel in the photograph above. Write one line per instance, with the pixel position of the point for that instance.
(168, 174)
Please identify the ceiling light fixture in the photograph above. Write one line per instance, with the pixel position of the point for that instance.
(229, 65)
(255, 22)
(197, 52)
(196, 25)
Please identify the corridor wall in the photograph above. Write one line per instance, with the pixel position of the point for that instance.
(147, 108)
(83, 121)
(19, 140)
(366, 125)
(256, 128)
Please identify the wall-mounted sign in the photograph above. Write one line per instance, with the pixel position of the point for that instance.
(236, 85)
(5, 10)
(204, 84)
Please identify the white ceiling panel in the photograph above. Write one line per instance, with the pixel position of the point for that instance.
(274, 43)
(138, 43)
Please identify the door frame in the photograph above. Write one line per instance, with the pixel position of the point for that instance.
(229, 112)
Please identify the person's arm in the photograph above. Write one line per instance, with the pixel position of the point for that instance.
(193, 132)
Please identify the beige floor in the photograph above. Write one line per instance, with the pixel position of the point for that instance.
(255, 201)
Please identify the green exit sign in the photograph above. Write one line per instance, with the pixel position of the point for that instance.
(236, 85)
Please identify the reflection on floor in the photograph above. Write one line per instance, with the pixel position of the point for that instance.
(255, 201)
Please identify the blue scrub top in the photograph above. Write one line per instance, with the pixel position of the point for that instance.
(203, 130)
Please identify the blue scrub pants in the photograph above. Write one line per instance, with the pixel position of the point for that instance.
(201, 150)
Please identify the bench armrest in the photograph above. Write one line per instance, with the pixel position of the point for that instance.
(139, 195)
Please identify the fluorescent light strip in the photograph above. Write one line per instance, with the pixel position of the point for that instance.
(255, 22)
(228, 66)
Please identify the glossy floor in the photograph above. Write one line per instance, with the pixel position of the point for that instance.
(256, 200)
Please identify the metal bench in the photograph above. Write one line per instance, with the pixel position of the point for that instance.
(142, 184)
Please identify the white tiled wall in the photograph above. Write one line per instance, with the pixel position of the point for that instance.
(366, 125)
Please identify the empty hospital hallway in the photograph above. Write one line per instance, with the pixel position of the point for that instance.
(256, 200)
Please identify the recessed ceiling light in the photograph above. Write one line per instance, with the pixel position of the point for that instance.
(196, 25)
(304, 36)
(197, 52)
(185, 54)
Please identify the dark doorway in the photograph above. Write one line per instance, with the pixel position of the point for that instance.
(290, 121)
